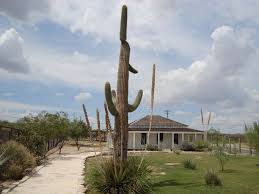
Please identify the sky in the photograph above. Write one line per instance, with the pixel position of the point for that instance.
(56, 55)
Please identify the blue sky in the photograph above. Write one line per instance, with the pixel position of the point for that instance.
(56, 55)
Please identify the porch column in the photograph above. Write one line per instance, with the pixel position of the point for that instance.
(205, 134)
(195, 136)
(182, 137)
(134, 140)
(148, 134)
(172, 140)
(158, 140)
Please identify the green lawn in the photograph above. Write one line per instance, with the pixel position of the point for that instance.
(169, 176)
(240, 176)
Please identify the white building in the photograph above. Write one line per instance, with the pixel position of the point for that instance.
(165, 133)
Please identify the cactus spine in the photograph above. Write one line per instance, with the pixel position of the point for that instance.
(117, 102)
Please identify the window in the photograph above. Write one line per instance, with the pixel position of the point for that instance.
(161, 137)
(143, 138)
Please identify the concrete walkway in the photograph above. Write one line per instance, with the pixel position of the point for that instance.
(62, 175)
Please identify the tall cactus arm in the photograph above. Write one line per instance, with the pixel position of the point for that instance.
(132, 69)
(114, 96)
(123, 27)
(134, 106)
(109, 101)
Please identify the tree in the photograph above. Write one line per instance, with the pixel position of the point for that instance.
(252, 136)
(214, 134)
(221, 156)
(62, 129)
(77, 131)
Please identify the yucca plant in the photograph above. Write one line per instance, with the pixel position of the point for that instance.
(212, 178)
(116, 178)
(189, 164)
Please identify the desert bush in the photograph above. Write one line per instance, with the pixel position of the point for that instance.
(3, 157)
(186, 146)
(202, 146)
(21, 159)
(212, 179)
(189, 164)
(112, 178)
(221, 156)
(151, 147)
(33, 141)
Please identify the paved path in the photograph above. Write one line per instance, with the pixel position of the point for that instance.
(62, 175)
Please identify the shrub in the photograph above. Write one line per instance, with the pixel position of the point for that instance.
(34, 142)
(189, 164)
(221, 156)
(212, 179)
(21, 159)
(186, 146)
(3, 157)
(202, 146)
(151, 147)
(108, 177)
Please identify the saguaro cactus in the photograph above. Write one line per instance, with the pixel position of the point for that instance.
(87, 122)
(98, 125)
(117, 102)
(107, 119)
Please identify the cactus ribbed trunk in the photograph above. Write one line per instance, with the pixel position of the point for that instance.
(117, 138)
(117, 102)
(122, 97)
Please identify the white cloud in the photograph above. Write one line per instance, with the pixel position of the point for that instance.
(216, 79)
(83, 96)
(28, 10)
(12, 110)
(183, 113)
(167, 24)
(59, 94)
(12, 58)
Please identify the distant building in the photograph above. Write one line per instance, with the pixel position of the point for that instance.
(165, 133)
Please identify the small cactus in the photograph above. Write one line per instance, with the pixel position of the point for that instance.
(117, 102)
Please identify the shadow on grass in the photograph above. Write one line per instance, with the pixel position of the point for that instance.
(171, 182)
(229, 171)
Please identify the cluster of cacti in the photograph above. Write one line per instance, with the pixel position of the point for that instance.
(117, 102)
(87, 122)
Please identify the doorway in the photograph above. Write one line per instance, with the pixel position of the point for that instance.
(176, 139)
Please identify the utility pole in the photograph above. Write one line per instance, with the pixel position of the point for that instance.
(167, 112)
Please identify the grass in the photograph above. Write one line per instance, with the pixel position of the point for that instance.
(240, 175)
